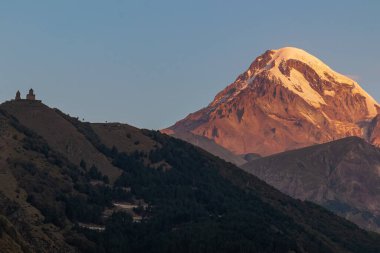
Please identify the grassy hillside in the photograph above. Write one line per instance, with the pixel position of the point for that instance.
(59, 134)
(183, 199)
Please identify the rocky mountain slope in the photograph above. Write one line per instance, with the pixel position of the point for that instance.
(343, 176)
(209, 144)
(169, 196)
(285, 100)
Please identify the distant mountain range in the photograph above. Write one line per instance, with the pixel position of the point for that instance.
(290, 100)
(72, 186)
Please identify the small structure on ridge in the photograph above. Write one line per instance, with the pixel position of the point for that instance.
(18, 95)
(30, 95)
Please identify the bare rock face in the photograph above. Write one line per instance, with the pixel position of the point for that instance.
(287, 99)
(373, 131)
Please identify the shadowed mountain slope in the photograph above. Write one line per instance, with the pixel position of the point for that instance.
(210, 146)
(198, 203)
(343, 176)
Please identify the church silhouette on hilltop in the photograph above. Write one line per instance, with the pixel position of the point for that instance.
(30, 96)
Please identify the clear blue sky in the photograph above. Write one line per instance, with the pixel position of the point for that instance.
(150, 63)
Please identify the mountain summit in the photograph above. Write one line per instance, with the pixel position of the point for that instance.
(286, 99)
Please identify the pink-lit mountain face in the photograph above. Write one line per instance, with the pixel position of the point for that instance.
(286, 99)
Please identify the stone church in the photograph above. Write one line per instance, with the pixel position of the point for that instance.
(30, 96)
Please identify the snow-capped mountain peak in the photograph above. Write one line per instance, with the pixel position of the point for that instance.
(301, 73)
(286, 99)
(295, 80)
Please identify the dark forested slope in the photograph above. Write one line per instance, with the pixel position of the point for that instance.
(183, 199)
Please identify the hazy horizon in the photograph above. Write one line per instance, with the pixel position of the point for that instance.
(149, 63)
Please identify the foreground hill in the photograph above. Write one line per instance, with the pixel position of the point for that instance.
(286, 99)
(342, 175)
(170, 196)
(60, 134)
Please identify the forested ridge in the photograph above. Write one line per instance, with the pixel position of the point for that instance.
(198, 204)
